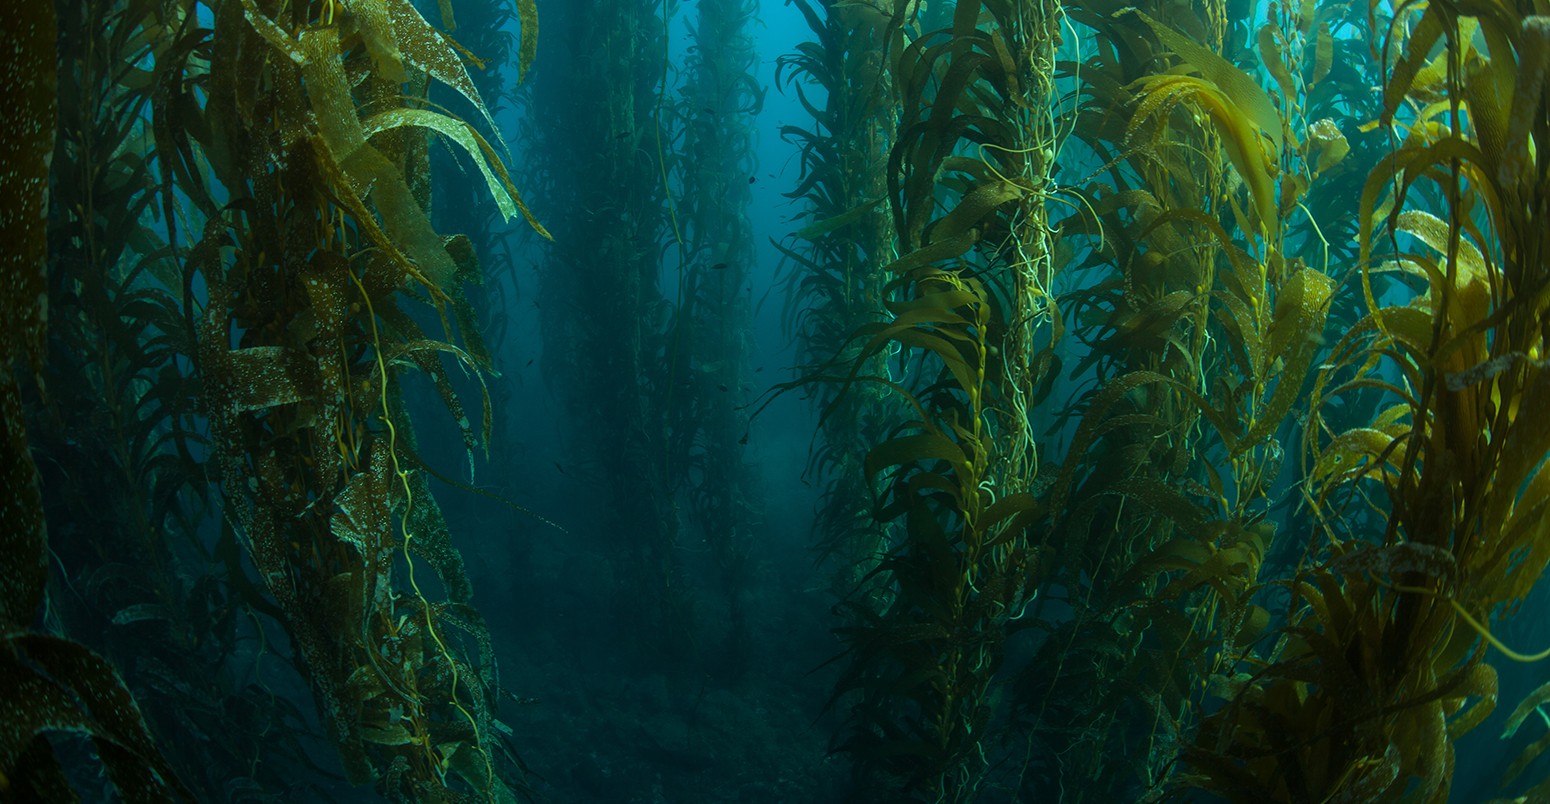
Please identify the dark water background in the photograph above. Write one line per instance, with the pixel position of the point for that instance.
(610, 725)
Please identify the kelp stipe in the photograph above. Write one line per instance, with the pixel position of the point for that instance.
(298, 369)
(712, 173)
(49, 684)
(836, 279)
(962, 306)
(608, 327)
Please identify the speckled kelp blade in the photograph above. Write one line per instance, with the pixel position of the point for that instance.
(377, 31)
(26, 143)
(427, 48)
(1245, 93)
(527, 11)
(63, 687)
(1300, 313)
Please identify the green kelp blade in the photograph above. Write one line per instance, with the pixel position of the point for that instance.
(1479, 683)
(1528, 100)
(1422, 37)
(429, 49)
(924, 446)
(271, 32)
(1295, 337)
(460, 133)
(853, 215)
(377, 32)
(1244, 92)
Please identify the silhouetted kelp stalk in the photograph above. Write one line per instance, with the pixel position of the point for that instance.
(973, 261)
(608, 328)
(125, 486)
(836, 280)
(714, 169)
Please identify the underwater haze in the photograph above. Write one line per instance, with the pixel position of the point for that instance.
(775, 401)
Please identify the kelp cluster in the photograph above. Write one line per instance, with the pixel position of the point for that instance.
(608, 325)
(712, 344)
(1432, 513)
(645, 304)
(958, 347)
(52, 684)
(122, 489)
(836, 281)
(243, 274)
(1210, 474)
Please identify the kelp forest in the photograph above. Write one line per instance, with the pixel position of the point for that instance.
(756, 401)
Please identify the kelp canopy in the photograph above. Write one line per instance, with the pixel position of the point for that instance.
(1178, 371)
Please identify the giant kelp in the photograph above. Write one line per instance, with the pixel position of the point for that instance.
(966, 297)
(1177, 387)
(241, 244)
(608, 325)
(52, 685)
(836, 280)
(712, 341)
(1209, 607)
(1430, 513)
(122, 485)
(301, 348)
(1155, 551)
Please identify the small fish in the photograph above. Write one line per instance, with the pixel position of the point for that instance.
(529, 363)
(720, 266)
(752, 179)
(723, 387)
(560, 468)
(743, 440)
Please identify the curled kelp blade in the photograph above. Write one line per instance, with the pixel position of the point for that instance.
(56, 686)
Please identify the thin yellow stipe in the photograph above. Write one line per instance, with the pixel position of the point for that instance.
(1319, 232)
(403, 522)
(1480, 628)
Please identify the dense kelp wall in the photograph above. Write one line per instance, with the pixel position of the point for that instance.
(1244, 544)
